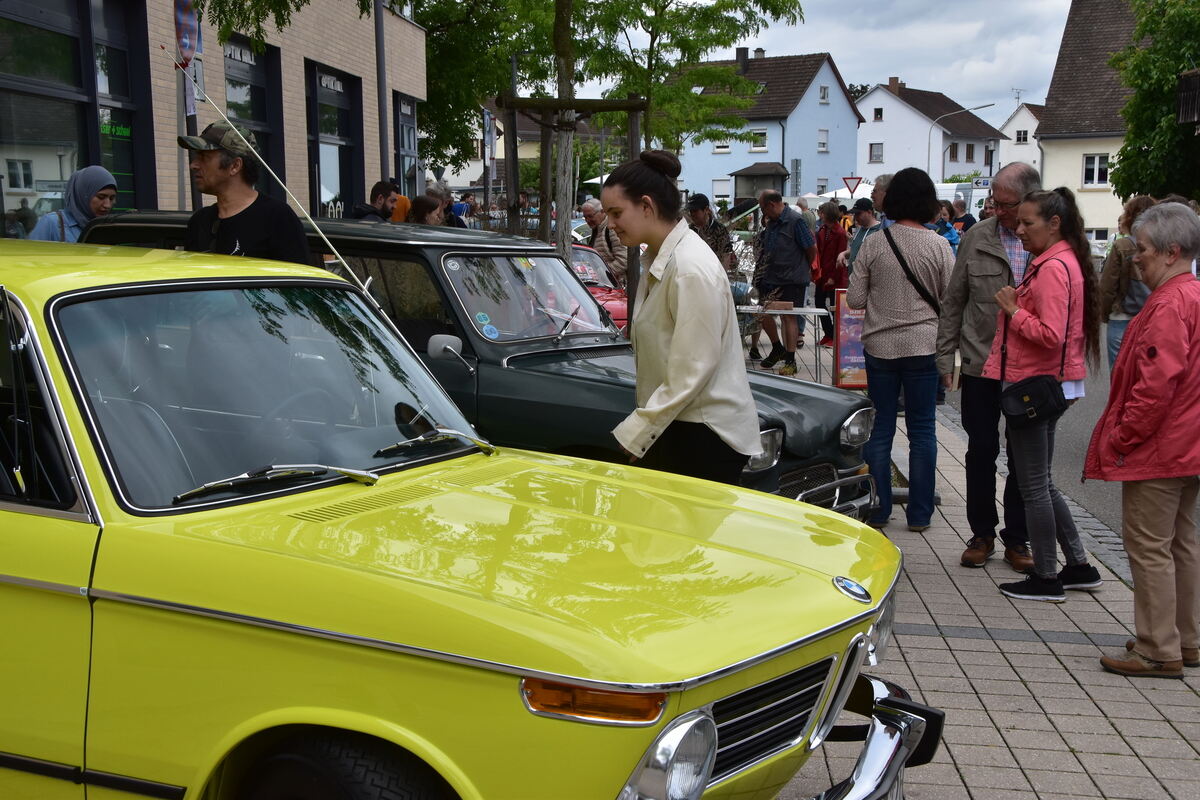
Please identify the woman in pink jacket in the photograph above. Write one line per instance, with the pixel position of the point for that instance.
(1046, 325)
(1146, 438)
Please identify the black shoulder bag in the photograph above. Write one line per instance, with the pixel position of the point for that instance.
(1038, 398)
(921, 290)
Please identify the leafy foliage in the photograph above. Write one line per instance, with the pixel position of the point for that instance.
(1159, 156)
(249, 18)
(645, 47)
(857, 90)
(963, 177)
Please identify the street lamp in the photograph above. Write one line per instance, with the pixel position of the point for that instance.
(929, 135)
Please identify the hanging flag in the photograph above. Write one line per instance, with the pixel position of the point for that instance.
(187, 31)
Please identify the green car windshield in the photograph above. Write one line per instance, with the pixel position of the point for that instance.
(192, 386)
(510, 298)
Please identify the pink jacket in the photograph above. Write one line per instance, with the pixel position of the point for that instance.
(1148, 429)
(1035, 332)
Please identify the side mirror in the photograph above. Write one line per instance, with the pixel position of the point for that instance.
(443, 346)
(446, 347)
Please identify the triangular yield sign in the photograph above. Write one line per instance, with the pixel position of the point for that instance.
(852, 183)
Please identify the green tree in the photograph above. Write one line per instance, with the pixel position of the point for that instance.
(857, 90)
(963, 177)
(1159, 155)
(644, 49)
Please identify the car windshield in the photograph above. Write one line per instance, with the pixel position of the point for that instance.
(590, 268)
(510, 298)
(188, 387)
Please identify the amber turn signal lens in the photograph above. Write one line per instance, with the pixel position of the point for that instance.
(591, 705)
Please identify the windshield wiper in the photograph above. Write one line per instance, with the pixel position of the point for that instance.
(276, 472)
(563, 330)
(438, 434)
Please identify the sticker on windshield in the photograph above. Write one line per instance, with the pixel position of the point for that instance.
(491, 332)
(482, 318)
(453, 264)
(526, 263)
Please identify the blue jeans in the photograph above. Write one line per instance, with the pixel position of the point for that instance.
(918, 376)
(1115, 335)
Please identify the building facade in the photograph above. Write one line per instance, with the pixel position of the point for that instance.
(1081, 129)
(89, 82)
(1021, 130)
(804, 127)
(916, 128)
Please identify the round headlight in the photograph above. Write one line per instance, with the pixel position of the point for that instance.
(679, 763)
(771, 442)
(856, 430)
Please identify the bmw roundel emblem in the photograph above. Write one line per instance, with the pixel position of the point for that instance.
(852, 589)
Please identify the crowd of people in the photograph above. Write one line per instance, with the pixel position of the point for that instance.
(1006, 309)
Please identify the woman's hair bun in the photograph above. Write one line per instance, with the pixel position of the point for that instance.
(662, 161)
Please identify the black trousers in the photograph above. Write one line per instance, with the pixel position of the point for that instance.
(691, 448)
(981, 420)
(823, 298)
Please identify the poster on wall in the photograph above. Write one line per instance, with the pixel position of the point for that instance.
(849, 363)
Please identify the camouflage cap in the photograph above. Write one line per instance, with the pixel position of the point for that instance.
(220, 136)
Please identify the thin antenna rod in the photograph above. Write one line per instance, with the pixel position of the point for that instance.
(201, 95)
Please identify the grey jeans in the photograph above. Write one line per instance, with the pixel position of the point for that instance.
(1047, 517)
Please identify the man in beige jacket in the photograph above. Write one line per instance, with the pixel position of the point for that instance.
(604, 241)
(990, 256)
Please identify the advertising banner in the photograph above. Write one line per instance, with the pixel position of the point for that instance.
(849, 363)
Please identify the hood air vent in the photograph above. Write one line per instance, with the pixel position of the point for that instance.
(368, 502)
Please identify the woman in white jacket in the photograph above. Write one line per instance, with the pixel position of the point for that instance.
(695, 413)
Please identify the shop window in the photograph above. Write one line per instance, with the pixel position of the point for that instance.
(335, 103)
(112, 71)
(404, 110)
(116, 152)
(252, 101)
(38, 53)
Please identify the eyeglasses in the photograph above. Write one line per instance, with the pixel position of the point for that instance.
(1008, 206)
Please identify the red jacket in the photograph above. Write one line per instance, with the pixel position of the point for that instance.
(1035, 332)
(1149, 427)
(831, 240)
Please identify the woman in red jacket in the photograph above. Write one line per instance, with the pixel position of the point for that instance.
(1046, 325)
(1146, 438)
(829, 277)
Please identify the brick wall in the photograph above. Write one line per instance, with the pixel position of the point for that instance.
(329, 32)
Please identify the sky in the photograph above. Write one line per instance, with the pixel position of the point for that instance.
(973, 51)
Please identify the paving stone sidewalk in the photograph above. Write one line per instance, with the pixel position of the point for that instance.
(1029, 712)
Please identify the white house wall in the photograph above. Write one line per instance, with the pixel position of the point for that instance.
(1063, 162)
(911, 140)
(1011, 151)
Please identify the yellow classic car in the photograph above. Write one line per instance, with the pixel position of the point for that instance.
(250, 549)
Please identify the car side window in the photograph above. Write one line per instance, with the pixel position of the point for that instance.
(33, 468)
(408, 294)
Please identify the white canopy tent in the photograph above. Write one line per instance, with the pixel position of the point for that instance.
(599, 180)
(863, 190)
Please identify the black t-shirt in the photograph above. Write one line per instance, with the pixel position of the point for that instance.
(266, 228)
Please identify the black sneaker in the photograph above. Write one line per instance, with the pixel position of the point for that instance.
(1080, 576)
(773, 358)
(754, 355)
(1048, 590)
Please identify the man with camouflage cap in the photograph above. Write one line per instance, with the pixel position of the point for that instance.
(243, 221)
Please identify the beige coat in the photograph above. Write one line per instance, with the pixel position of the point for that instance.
(689, 354)
(614, 256)
(969, 308)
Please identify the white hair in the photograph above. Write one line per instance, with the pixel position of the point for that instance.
(593, 204)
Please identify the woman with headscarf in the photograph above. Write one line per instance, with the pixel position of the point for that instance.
(91, 192)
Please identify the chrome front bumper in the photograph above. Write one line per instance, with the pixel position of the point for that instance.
(901, 734)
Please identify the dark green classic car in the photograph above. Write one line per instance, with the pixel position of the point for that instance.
(533, 362)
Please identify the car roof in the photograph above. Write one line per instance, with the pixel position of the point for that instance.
(398, 232)
(41, 270)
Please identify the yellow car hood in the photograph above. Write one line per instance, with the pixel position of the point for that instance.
(577, 568)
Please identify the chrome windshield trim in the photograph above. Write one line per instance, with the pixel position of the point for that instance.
(45, 586)
(85, 508)
(481, 663)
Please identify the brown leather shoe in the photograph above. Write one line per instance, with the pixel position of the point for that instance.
(1191, 655)
(1136, 665)
(1019, 557)
(979, 550)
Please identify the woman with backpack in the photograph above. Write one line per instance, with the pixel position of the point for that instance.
(91, 192)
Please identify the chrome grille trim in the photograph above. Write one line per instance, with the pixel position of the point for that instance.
(759, 722)
(794, 482)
